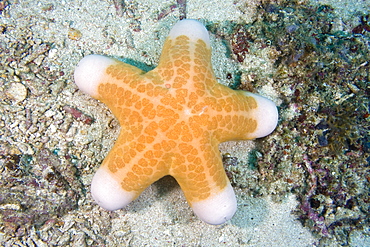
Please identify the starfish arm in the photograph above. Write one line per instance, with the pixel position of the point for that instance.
(265, 114)
(108, 192)
(185, 61)
(240, 115)
(125, 173)
(218, 208)
(96, 70)
(205, 184)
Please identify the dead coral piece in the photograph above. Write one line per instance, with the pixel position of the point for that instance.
(79, 115)
(321, 149)
(181, 5)
(120, 7)
(26, 205)
(129, 9)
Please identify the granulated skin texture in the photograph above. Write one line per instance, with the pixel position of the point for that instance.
(172, 120)
(178, 132)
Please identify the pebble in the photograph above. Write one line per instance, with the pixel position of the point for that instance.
(17, 92)
(74, 34)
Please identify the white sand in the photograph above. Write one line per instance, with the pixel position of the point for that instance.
(160, 216)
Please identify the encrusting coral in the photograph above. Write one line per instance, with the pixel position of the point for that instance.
(172, 120)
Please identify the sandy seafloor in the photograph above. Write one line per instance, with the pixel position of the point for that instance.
(160, 216)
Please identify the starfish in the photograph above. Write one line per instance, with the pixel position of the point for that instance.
(172, 120)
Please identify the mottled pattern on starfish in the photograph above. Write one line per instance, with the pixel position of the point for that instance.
(172, 120)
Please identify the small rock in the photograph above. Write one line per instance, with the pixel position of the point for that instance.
(17, 92)
(74, 34)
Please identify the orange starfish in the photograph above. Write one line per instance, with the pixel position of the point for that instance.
(172, 120)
